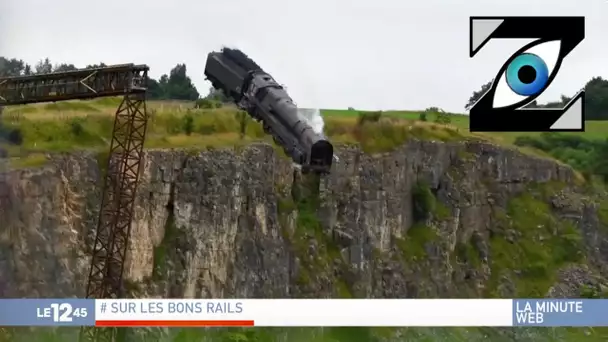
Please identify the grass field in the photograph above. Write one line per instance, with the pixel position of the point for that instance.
(71, 125)
(594, 129)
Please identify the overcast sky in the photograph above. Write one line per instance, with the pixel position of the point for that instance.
(380, 54)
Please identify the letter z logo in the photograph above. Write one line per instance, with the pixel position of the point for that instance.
(527, 74)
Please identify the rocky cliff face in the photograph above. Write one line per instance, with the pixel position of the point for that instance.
(428, 220)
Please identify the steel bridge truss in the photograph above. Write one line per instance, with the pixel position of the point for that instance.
(81, 84)
(122, 170)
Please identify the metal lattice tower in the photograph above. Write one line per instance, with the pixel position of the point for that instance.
(114, 225)
(4, 168)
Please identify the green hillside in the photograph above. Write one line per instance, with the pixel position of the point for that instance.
(72, 125)
(594, 129)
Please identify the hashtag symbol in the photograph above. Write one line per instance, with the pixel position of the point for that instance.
(103, 307)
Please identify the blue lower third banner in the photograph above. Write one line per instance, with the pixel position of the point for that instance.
(311, 312)
(47, 312)
(560, 312)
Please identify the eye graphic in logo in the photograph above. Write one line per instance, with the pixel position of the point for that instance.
(526, 74)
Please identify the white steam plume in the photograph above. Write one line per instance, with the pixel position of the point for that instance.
(314, 118)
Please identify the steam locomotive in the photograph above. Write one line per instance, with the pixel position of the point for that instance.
(257, 93)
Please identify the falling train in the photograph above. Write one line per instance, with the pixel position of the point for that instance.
(265, 100)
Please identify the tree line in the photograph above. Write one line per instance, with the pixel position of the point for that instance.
(176, 85)
(596, 99)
